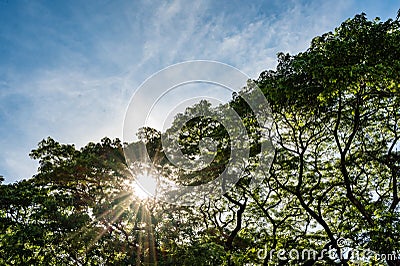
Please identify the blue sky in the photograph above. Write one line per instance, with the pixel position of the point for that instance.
(69, 68)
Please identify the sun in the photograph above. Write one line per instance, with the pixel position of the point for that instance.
(145, 186)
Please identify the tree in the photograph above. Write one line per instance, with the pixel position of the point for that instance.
(336, 109)
(334, 176)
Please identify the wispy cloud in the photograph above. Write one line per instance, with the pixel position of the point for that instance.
(68, 70)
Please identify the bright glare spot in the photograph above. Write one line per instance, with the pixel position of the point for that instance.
(145, 186)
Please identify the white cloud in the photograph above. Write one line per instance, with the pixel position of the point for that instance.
(83, 97)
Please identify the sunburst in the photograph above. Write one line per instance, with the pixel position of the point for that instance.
(145, 186)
